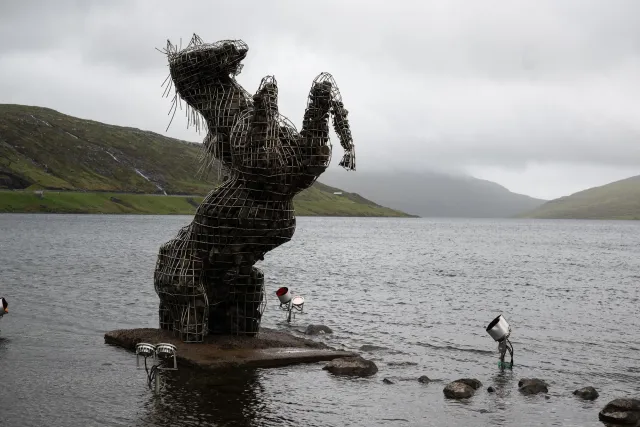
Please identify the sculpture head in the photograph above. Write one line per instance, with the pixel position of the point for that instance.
(201, 63)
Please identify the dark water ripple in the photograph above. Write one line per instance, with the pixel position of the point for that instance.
(416, 293)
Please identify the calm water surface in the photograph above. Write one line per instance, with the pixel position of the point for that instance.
(417, 292)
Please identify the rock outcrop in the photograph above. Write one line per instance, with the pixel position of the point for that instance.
(530, 386)
(424, 379)
(462, 388)
(621, 412)
(353, 366)
(587, 393)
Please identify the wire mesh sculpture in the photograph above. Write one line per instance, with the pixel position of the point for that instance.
(205, 277)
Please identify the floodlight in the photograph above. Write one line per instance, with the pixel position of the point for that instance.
(500, 330)
(283, 295)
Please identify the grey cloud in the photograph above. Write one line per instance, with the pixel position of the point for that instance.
(454, 84)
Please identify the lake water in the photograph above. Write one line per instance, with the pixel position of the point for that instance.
(417, 292)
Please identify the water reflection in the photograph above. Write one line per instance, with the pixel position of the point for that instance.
(499, 401)
(503, 384)
(189, 397)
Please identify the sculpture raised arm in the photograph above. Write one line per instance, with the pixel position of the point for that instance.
(205, 277)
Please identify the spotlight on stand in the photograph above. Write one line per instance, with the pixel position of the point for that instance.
(167, 353)
(145, 350)
(283, 295)
(298, 303)
(500, 331)
(160, 354)
(289, 303)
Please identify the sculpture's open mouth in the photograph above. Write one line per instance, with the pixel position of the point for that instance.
(222, 57)
(195, 67)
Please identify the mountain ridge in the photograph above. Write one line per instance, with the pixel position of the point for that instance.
(435, 194)
(41, 148)
(615, 200)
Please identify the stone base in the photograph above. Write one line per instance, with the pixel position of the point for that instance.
(270, 349)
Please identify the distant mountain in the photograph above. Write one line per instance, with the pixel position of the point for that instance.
(433, 194)
(43, 149)
(617, 200)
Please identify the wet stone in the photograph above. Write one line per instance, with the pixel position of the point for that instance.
(531, 386)
(458, 390)
(587, 393)
(353, 366)
(621, 412)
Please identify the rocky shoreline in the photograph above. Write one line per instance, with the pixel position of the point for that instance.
(276, 349)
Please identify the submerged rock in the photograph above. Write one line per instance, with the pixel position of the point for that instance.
(491, 389)
(530, 386)
(370, 348)
(462, 388)
(587, 393)
(387, 381)
(621, 412)
(354, 366)
(402, 363)
(456, 390)
(318, 329)
(424, 379)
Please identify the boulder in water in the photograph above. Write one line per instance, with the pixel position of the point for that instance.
(462, 388)
(318, 329)
(621, 412)
(587, 393)
(530, 386)
(387, 381)
(491, 389)
(424, 379)
(354, 366)
(456, 390)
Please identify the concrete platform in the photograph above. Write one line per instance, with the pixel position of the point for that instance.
(269, 350)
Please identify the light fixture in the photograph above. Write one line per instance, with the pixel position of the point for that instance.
(298, 302)
(166, 352)
(283, 295)
(145, 350)
(289, 303)
(160, 354)
(500, 330)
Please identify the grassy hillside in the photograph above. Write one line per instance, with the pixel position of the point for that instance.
(43, 149)
(312, 203)
(618, 200)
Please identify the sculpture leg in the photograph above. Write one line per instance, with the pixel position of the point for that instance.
(240, 312)
(177, 280)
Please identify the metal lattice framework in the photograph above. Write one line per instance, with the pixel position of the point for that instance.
(205, 277)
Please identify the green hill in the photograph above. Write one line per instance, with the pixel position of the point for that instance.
(88, 166)
(617, 200)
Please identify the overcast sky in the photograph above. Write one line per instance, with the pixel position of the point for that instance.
(542, 96)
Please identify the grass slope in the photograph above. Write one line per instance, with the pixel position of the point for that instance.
(314, 203)
(617, 200)
(91, 163)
